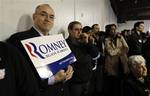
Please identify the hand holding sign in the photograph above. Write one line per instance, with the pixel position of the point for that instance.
(49, 54)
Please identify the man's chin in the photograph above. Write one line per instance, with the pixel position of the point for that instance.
(47, 29)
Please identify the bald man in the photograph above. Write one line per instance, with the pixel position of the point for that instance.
(43, 21)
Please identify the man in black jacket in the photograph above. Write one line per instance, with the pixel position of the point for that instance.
(16, 77)
(85, 51)
(43, 20)
(137, 39)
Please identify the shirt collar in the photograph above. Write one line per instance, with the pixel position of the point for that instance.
(38, 31)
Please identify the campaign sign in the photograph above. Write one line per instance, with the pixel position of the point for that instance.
(49, 54)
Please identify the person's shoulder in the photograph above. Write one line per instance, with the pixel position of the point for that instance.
(130, 82)
(4, 46)
(20, 36)
(1, 43)
(68, 39)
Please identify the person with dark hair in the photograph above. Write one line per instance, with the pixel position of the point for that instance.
(115, 65)
(98, 36)
(136, 39)
(16, 76)
(137, 24)
(85, 52)
(97, 73)
(43, 20)
(87, 29)
(137, 83)
(95, 31)
(95, 28)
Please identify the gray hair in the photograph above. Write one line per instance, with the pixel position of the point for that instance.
(136, 59)
(41, 5)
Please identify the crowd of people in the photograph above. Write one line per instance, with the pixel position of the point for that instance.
(108, 63)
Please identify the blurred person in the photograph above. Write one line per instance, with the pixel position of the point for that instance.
(95, 28)
(115, 64)
(136, 39)
(137, 83)
(95, 31)
(99, 36)
(93, 81)
(96, 82)
(87, 29)
(16, 76)
(85, 52)
(43, 21)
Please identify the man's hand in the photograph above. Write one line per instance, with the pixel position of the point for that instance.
(60, 76)
(84, 38)
(91, 40)
(69, 72)
(64, 76)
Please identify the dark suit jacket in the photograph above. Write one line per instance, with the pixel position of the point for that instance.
(46, 90)
(83, 66)
(135, 43)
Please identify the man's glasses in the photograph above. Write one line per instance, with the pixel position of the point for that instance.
(45, 15)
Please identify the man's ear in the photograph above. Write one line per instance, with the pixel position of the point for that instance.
(34, 16)
(137, 28)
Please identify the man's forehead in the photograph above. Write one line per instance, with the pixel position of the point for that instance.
(96, 26)
(45, 9)
(142, 24)
(77, 26)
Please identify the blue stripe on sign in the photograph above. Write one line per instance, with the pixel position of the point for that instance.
(62, 63)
